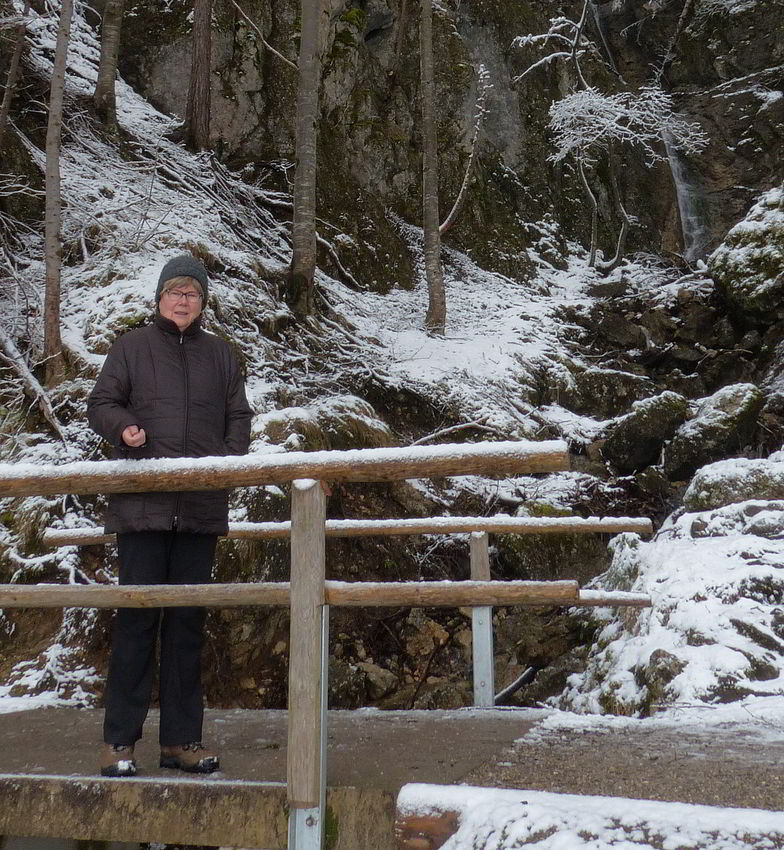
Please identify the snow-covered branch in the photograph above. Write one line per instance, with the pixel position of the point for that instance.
(590, 119)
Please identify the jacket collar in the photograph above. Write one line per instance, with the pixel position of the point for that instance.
(169, 327)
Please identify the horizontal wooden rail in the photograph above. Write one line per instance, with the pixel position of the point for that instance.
(369, 527)
(216, 473)
(431, 594)
(447, 594)
(142, 596)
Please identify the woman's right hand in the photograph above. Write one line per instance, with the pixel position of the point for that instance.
(134, 436)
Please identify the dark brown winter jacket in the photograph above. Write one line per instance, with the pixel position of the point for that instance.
(187, 392)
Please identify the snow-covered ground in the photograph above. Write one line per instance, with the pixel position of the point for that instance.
(500, 819)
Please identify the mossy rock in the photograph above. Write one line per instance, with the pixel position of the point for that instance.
(606, 393)
(294, 427)
(340, 422)
(544, 557)
(749, 265)
(349, 422)
(730, 481)
(635, 440)
(656, 676)
(723, 425)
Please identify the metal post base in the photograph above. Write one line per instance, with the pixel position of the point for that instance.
(484, 685)
(305, 829)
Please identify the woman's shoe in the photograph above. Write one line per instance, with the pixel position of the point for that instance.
(192, 758)
(117, 760)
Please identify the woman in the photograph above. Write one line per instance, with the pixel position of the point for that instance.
(169, 389)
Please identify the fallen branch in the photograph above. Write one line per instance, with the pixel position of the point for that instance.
(33, 389)
(478, 426)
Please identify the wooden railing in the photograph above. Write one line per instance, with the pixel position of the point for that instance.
(308, 593)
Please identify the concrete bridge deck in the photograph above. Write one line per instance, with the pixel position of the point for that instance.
(371, 755)
(49, 784)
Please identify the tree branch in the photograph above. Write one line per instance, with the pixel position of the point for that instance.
(261, 36)
(33, 389)
(484, 87)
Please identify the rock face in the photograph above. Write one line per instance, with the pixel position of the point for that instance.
(724, 69)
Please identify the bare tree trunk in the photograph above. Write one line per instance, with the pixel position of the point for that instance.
(400, 31)
(620, 248)
(104, 96)
(53, 353)
(435, 320)
(478, 121)
(13, 71)
(594, 209)
(197, 116)
(301, 294)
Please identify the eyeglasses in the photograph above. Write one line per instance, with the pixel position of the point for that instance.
(177, 294)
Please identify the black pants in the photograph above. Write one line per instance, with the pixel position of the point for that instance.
(158, 557)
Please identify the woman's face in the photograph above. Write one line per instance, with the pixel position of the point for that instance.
(181, 305)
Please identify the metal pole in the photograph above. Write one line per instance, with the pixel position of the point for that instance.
(482, 626)
(324, 706)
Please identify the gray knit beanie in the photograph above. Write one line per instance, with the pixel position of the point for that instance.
(186, 265)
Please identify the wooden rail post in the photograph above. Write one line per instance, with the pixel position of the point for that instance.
(306, 677)
(482, 626)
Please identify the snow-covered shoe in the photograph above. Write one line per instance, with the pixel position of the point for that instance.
(193, 758)
(117, 760)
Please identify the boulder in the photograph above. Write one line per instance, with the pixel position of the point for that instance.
(730, 481)
(749, 265)
(340, 422)
(635, 441)
(380, 682)
(604, 393)
(724, 423)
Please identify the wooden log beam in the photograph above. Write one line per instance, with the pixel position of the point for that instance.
(142, 596)
(216, 473)
(186, 811)
(387, 527)
(448, 594)
(429, 594)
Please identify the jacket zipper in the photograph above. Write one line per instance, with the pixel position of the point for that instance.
(176, 518)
